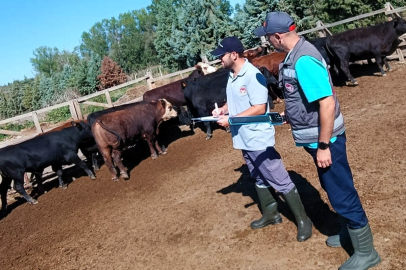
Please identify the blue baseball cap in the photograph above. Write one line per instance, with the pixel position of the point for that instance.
(229, 44)
(276, 22)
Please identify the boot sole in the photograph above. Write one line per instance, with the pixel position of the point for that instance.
(268, 223)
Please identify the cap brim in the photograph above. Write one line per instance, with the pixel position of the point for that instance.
(218, 51)
(260, 32)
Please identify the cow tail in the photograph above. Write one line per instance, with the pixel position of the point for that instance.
(109, 130)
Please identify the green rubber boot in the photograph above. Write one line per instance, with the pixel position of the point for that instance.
(365, 255)
(269, 206)
(342, 239)
(304, 224)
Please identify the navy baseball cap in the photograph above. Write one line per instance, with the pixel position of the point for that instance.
(229, 44)
(276, 22)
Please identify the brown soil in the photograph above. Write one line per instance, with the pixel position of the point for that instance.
(191, 209)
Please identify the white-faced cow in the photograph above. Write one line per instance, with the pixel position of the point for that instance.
(114, 131)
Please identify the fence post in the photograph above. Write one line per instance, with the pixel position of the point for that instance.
(204, 58)
(149, 81)
(77, 109)
(72, 110)
(108, 98)
(399, 52)
(36, 122)
(324, 32)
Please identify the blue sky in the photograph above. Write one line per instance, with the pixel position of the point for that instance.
(27, 25)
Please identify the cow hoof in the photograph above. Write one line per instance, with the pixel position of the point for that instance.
(65, 186)
(115, 179)
(384, 74)
(125, 176)
(154, 156)
(208, 137)
(33, 201)
(92, 177)
(163, 153)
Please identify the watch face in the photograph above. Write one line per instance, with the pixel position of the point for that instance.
(323, 145)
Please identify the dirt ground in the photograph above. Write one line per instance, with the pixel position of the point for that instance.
(192, 208)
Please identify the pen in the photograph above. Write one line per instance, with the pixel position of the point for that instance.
(217, 108)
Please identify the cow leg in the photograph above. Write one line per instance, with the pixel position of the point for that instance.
(58, 170)
(106, 153)
(116, 155)
(209, 133)
(378, 61)
(385, 61)
(151, 143)
(4, 187)
(75, 159)
(95, 164)
(19, 186)
(345, 67)
(161, 149)
(38, 179)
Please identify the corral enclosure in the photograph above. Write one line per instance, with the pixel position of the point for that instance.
(192, 208)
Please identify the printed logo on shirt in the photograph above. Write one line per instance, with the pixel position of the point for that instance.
(243, 90)
(289, 87)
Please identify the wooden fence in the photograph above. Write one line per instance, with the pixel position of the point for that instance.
(76, 112)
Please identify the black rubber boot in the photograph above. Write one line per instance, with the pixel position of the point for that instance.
(365, 255)
(342, 239)
(304, 224)
(269, 206)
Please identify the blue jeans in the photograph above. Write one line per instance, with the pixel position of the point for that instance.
(338, 182)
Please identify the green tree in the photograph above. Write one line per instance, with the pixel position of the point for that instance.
(198, 27)
(166, 21)
(45, 60)
(99, 38)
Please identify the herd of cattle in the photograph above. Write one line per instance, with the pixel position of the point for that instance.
(110, 131)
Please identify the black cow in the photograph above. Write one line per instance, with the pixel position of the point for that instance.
(320, 44)
(53, 149)
(202, 93)
(274, 92)
(376, 41)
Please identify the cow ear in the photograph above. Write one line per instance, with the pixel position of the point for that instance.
(163, 103)
(395, 22)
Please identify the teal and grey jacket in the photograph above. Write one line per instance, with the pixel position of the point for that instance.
(302, 115)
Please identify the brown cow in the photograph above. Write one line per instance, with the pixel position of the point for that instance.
(271, 64)
(253, 53)
(116, 130)
(270, 61)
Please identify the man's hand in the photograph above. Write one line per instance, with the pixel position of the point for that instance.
(284, 117)
(219, 111)
(223, 120)
(324, 158)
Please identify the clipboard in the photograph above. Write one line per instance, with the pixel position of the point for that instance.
(272, 118)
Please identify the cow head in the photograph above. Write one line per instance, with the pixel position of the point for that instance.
(169, 112)
(205, 68)
(400, 26)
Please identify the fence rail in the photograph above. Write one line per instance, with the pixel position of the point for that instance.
(150, 81)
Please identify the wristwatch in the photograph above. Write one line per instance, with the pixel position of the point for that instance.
(323, 145)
